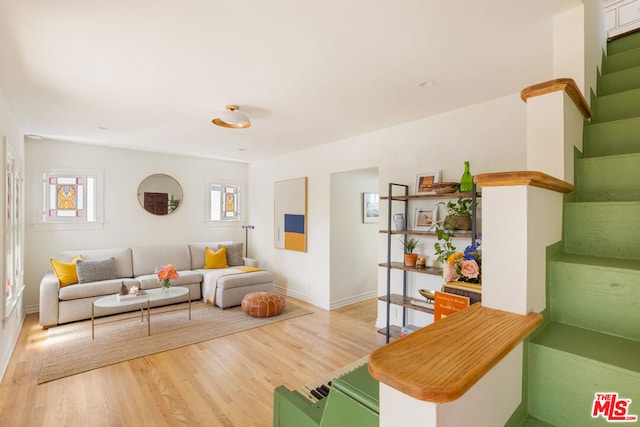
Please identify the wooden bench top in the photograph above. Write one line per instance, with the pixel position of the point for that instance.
(441, 361)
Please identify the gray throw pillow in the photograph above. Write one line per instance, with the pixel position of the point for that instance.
(90, 270)
(234, 254)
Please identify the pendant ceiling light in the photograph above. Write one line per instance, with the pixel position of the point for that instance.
(232, 118)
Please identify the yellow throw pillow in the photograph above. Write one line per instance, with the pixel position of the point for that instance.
(216, 259)
(66, 271)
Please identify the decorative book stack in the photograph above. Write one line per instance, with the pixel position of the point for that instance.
(471, 290)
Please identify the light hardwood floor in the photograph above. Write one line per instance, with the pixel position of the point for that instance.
(227, 381)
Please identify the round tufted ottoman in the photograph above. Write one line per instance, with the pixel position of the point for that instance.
(263, 304)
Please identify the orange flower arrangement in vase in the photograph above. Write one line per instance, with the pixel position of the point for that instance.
(165, 275)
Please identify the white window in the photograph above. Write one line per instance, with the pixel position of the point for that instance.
(71, 199)
(224, 202)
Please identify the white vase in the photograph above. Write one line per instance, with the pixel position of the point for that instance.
(399, 221)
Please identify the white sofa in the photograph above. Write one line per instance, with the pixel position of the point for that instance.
(137, 266)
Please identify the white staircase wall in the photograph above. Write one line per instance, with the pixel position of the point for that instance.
(514, 245)
(554, 130)
(483, 405)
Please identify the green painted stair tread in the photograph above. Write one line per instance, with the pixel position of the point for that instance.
(599, 294)
(619, 81)
(620, 61)
(602, 229)
(604, 348)
(622, 105)
(608, 178)
(632, 41)
(562, 385)
(598, 261)
(612, 138)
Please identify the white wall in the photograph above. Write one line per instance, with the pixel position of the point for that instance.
(353, 244)
(305, 275)
(490, 135)
(127, 224)
(10, 328)
(568, 49)
(489, 402)
(580, 58)
(595, 36)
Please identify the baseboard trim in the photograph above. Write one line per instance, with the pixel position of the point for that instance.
(31, 309)
(322, 304)
(300, 296)
(353, 299)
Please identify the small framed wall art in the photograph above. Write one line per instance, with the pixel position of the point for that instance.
(425, 181)
(425, 219)
(370, 207)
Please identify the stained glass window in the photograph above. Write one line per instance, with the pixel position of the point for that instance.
(69, 198)
(225, 201)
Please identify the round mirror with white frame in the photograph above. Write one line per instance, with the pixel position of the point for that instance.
(160, 194)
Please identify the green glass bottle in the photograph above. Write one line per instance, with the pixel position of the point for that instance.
(466, 182)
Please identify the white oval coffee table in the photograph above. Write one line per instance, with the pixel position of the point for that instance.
(112, 301)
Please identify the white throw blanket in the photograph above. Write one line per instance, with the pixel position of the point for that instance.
(210, 298)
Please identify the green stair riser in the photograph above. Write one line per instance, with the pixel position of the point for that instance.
(608, 178)
(621, 61)
(611, 138)
(603, 299)
(608, 229)
(619, 81)
(603, 348)
(632, 41)
(618, 106)
(562, 387)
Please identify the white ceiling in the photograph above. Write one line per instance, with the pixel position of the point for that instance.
(150, 74)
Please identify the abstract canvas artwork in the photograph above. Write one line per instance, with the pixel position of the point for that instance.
(290, 214)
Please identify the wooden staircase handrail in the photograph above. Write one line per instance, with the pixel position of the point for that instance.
(443, 360)
(533, 178)
(566, 84)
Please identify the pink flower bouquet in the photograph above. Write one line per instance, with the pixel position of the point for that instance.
(465, 267)
(166, 274)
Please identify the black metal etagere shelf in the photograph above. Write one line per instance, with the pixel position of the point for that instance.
(405, 198)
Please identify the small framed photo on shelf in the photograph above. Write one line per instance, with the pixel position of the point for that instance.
(425, 181)
(425, 219)
(370, 207)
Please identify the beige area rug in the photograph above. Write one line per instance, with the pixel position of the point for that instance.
(70, 350)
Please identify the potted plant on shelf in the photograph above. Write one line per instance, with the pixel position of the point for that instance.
(444, 247)
(409, 244)
(458, 214)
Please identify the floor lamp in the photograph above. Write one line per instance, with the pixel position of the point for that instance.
(246, 240)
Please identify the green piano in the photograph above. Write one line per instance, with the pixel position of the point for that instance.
(350, 400)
